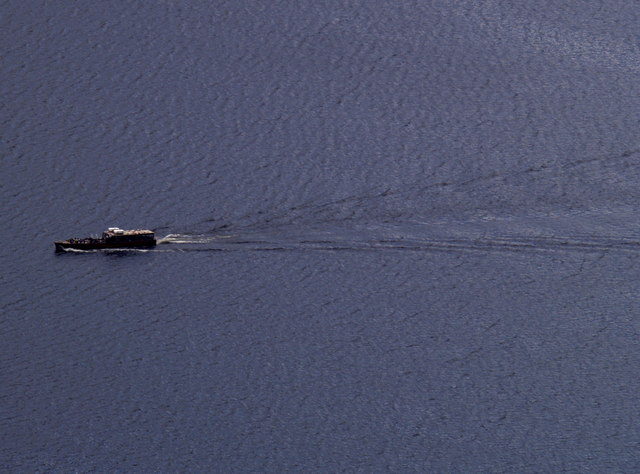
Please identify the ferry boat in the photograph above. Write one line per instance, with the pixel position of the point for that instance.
(112, 238)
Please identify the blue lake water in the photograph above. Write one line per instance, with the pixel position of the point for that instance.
(394, 236)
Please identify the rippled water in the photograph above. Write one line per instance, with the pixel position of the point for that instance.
(394, 236)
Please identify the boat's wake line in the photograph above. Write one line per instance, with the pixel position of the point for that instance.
(335, 242)
(188, 239)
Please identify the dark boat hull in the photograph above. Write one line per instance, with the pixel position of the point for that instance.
(64, 245)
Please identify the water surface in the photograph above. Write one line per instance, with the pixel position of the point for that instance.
(396, 236)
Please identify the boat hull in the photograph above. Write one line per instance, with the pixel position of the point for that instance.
(64, 245)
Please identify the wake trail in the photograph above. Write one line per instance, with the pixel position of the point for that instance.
(284, 242)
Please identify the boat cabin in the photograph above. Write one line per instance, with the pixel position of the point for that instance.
(115, 234)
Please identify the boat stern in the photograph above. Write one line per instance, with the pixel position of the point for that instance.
(61, 245)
